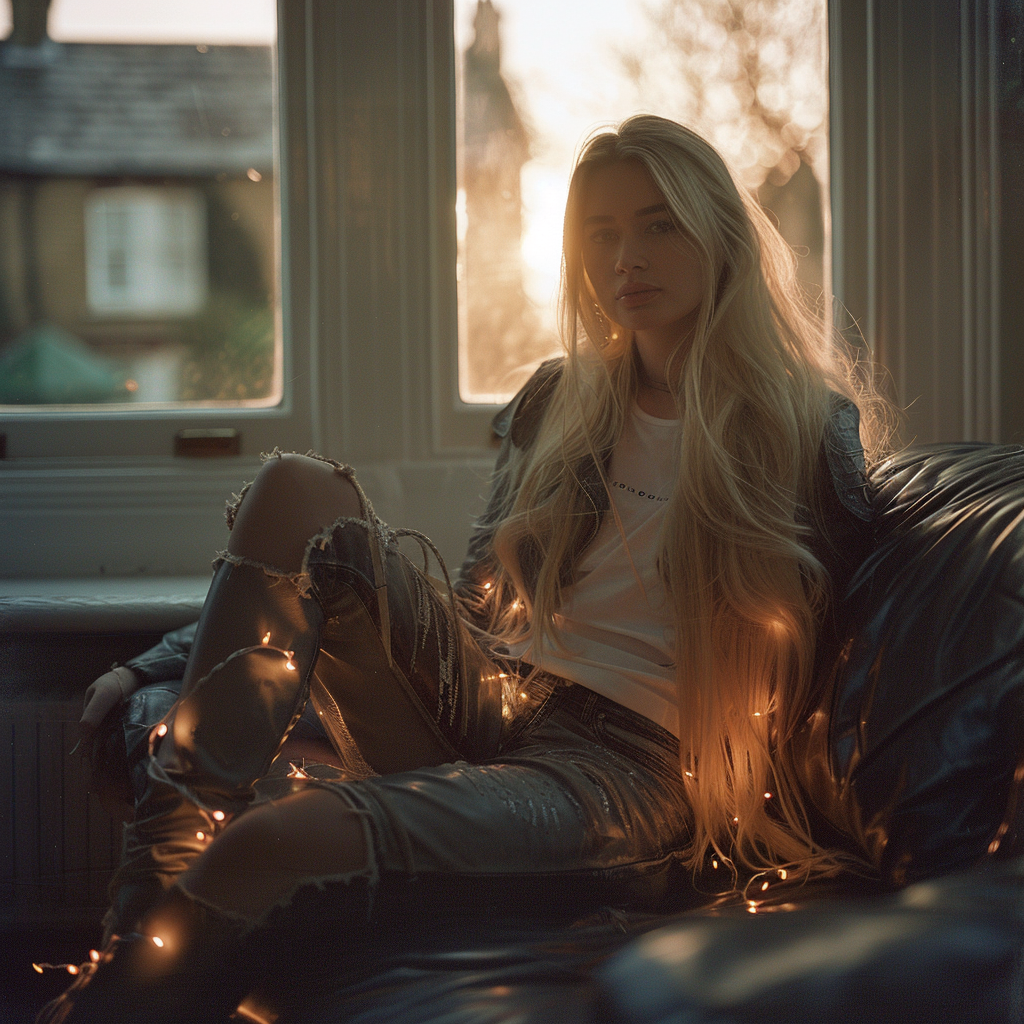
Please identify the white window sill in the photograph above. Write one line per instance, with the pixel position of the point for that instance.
(121, 605)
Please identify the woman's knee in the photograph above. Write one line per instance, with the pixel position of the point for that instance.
(275, 848)
(292, 498)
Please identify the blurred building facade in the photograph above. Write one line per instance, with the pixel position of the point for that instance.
(136, 219)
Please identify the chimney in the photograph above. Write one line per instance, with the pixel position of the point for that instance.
(28, 22)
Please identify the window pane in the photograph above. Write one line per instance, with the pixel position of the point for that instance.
(137, 204)
(537, 76)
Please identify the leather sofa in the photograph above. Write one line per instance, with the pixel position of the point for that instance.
(915, 756)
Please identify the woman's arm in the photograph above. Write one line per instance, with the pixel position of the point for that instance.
(845, 507)
(160, 664)
(167, 659)
(515, 426)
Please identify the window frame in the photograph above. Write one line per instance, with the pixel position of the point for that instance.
(366, 179)
(40, 438)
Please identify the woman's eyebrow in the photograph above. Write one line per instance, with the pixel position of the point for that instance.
(646, 211)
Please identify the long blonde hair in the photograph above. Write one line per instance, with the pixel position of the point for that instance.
(753, 384)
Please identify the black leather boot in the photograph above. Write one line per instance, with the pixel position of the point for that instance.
(185, 964)
(245, 687)
(167, 835)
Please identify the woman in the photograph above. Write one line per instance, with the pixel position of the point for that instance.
(610, 703)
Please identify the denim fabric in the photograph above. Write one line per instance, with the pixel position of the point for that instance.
(585, 805)
(536, 786)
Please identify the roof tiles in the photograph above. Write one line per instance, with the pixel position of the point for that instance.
(125, 109)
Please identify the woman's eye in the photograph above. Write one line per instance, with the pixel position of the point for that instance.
(660, 227)
(605, 235)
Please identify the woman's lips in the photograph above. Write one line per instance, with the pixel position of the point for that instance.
(635, 294)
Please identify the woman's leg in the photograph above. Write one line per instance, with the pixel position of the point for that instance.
(239, 697)
(398, 667)
(398, 679)
(292, 499)
(274, 849)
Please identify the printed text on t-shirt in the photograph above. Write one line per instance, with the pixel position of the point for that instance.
(634, 490)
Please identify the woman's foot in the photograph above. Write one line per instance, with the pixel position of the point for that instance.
(184, 964)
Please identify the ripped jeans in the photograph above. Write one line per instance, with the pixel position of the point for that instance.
(547, 793)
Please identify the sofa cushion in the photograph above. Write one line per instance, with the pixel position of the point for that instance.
(926, 729)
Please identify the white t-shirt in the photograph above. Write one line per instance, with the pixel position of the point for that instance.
(616, 622)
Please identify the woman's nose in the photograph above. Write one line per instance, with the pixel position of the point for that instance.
(630, 257)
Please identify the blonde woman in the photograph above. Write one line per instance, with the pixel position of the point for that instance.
(607, 709)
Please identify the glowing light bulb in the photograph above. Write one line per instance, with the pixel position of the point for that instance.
(265, 640)
(71, 968)
(757, 714)
(714, 863)
(161, 729)
(752, 909)
(157, 941)
(218, 815)
(767, 796)
(37, 969)
(487, 586)
(289, 664)
(764, 886)
(689, 775)
(94, 955)
(522, 696)
(783, 874)
(736, 821)
(200, 836)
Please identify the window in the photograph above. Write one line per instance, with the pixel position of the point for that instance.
(369, 217)
(138, 216)
(145, 251)
(535, 78)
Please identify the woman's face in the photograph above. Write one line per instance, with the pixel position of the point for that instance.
(645, 275)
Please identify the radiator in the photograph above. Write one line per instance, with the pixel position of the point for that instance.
(59, 845)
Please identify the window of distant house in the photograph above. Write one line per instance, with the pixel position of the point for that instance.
(535, 77)
(146, 252)
(138, 210)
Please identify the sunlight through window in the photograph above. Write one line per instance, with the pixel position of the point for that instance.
(536, 77)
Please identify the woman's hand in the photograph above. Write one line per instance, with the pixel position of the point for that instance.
(104, 695)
